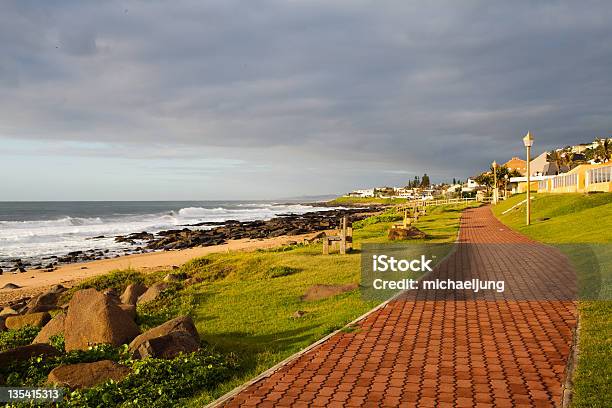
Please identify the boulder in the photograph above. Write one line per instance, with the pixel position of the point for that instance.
(132, 292)
(54, 327)
(152, 293)
(32, 319)
(167, 346)
(400, 233)
(43, 302)
(8, 311)
(85, 375)
(112, 294)
(162, 341)
(129, 309)
(94, 318)
(24, 353)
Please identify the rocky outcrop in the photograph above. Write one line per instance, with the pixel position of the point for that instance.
(94, 318)
(152, 293)
(24, 353)
(32, 319)
(86, 375)
(287, 224)
(168, 340)
(53, 328)
(132, 293)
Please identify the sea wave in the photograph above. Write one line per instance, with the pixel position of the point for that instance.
(33, 239)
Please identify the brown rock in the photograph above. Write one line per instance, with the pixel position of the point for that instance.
(85, 375)
(129, 309)
(132, 292)
(151, 342)
(32, 319)
(94, 318)
(152, 293)
(24, 353)
(8, 311)
(401, 233)
(43, 302)
(54, 327)
(167, 346)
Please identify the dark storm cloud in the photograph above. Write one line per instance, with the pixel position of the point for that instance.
(394, 86)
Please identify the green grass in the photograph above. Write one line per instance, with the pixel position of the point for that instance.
(575, 219)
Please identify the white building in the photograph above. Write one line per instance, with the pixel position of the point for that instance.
(369, 192)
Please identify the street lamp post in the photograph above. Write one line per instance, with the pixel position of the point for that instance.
(528, 142)
(494, 165)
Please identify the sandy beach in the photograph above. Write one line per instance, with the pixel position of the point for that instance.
(34, 281)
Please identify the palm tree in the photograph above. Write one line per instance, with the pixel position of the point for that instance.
(603, 152)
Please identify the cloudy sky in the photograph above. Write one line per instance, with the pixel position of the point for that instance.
(227, 99)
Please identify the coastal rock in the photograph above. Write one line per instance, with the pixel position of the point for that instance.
(53, 328)
(43, 302)
(405, 233)
(86, 375)
(129, 309)
(94, 318)
(132, 292)
(167, 340)
(8, 311)
(152, 293)
(112, 295)
(24, 353)
(167, 346)
(32, 319)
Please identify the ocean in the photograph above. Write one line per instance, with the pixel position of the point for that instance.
(32, 231)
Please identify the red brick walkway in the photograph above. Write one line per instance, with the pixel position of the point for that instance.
(439, 353)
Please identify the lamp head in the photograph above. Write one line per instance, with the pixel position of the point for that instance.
(528, 140)
(494, 164)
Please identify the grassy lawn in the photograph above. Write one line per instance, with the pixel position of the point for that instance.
(573, 219)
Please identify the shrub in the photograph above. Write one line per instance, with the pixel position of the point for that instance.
(15, 338)
(377, 219)
(159, 383)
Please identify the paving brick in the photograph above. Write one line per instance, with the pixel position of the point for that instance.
(455, 352)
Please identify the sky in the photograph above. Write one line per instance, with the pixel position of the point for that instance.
(265, 99)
